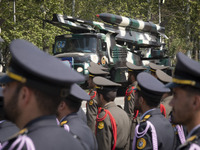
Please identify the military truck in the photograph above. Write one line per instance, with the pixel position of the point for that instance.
(109, 44)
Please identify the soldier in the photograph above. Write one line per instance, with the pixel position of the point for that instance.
(154, 131)
(67, 115)
(34, 85)
(7, 129)
(180, 131)
(129, 99)
(113, 124)
(154, 67)
(91, 106)
(186, 99)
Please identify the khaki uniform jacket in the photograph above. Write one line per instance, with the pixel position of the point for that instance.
(104, 130)
(129, 100)
(92, 110)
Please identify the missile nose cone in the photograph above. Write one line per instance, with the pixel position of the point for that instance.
(97, 15)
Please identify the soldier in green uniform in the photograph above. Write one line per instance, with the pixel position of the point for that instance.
(154, 131)
(186, 99)
(113, 123)
(91, 106)
(129, 99)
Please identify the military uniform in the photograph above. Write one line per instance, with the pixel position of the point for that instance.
(43, 133)
(82, 115)
(129, 100)
(149, 133)
(53, 78)
(193, 140)
(105, 129)
(75, 125)
(7, 129)
(91, 106)
(80, 130)
(152, 124)
(113, 123)
(186, 73)
(92, 110)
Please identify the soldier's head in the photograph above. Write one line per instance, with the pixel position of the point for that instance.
(106, 90)
(133, 71)
(154, 67)
(35, 83)
(186, 91)
(93, 72)
(149, 92)
(73, 101)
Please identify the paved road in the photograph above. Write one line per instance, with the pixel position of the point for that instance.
(118, 101)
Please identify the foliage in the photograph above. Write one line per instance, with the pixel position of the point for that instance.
(181, 19)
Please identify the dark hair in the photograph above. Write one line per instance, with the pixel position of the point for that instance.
(47, 103)
(73, 105)
(151, 101)
(108, 95)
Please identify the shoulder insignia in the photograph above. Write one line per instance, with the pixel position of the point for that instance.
(21, 132)
(192, 138)
(141, 143)
(63, 122)
(101, 125)
(91, 102)
(146, 118)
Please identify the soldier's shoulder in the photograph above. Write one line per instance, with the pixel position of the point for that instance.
(192, 142)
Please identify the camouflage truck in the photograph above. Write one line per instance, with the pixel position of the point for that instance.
(111, 44)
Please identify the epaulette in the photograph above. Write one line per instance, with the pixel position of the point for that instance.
(63, 122)
(188, 141)
(20, 139)
(21, 132)
(145, 118)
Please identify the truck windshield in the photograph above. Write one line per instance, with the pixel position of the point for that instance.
(83, 44)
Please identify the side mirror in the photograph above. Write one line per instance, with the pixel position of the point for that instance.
(104, 46)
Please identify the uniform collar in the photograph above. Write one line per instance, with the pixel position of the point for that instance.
(68, 116)
(193, 131)
(42, 121)
(148, 111)
(109, 104)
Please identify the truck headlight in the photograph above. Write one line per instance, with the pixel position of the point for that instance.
(94, 58)
(79, 69)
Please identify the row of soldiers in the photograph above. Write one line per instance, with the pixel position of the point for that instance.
(152, 104)
(39, 89)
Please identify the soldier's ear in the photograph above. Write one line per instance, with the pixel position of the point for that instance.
(196, 102)
(141, 100)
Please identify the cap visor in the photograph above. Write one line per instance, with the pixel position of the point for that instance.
(5, 79)
(172, 85)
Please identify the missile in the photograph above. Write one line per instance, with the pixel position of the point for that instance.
(129, 22)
